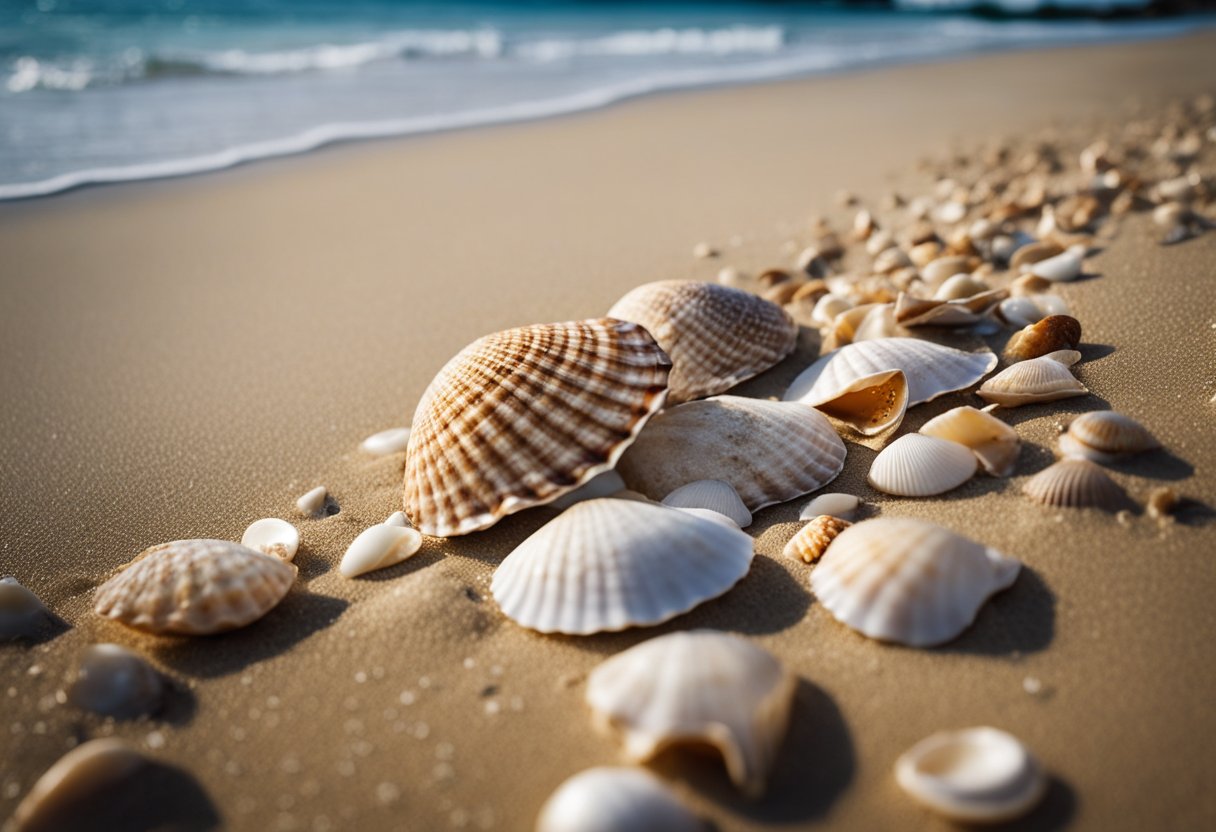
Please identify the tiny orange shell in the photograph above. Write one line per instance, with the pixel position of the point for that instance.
(814, 538)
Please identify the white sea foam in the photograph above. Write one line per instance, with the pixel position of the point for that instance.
(733, 40)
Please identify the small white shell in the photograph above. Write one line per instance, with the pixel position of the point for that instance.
(608, 799)
(312, 504)
(713, 688)
(80, 778)
(1061, 268)
(915, 465)
(960, 287)
(994, 443)
(391, 441)
(272, 536)
(397, 518)
(379, 547)
(943, 268)
(837, 505)
(1106, 436)
(22, 614)
(977, 775)
(601, 485)
(113, 681)
(714, 495)
(1042, 379)
(828, 307)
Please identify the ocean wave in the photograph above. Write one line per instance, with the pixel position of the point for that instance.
(659, 42)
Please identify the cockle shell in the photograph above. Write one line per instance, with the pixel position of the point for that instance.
(814, 538)
(713, 495)
(871, 404)
(698, 687)
(391, 441)
(932, 370)
(22, 613)
(1106, 436)
(272, 536)
(838, 505)
(195, 587)
(1061, 268)
(607, 799)
(63, 795)
(994, 443)
(1076, 483)
(521, 417)
(908, 581)
(379, 547)
(977, 775)
(915, 465)
(1042, 379)
(609, 564)
(114, 681)
(769, 451)
(716, 336)
(1050, 334)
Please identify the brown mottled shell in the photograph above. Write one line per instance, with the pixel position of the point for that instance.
(1055, 332)
(521, 417)
(1076, 483)
(810, 543)
(769, 451)
(716, 336)
(195, 587)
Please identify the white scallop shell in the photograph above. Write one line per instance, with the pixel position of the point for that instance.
(610, 564)
(312, 504)
(714, 495)
(977, 775)
(22, 614)
(81, 777)
(769, 451)
(1105, 436)
(994, 443)
(1076, 483)
(699, 687)
(379, 547)
(114, 681)
(1043, 379)
(932, 370)
(391, 441)
(601, 485)
(837, 505)
(915, 465)
(908, 581)
(605, 799)
(272, 536)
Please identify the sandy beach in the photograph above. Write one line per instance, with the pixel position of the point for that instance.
(184, 357)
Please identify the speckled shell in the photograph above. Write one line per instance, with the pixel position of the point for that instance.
(114, 681)
(521, 417)
(769, 451)
(716, 336)
(932, 370)
(195, 587)
(1076, 483)
(609, 799)
(1043, 379)
(908, 581)
(610, 564)
(79, 778)
(713, 495)
(814, 538)
(993, 442)
(915, 465)
(699, 687)
(1105, 436)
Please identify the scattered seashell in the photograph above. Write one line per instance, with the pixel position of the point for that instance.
(735, 279)
(113, 681)
(1042, 379)
(521, 417)
(961, 287)
(977, 775)
(86, 775)
(910, 311)
(605, 799)
(813, 540)
(716, 337)
(877, 322)
(870, 404)
(1162, 502)
(195, 587)
(714, 495)
(843, 506)
(863, 224)
(601, 485)
(993, 442)
(22, 614)
(272, 536)
(1033, 252)
(908, 581)
(879, 241)
(810, 292)
(1050, 334)
(606, 565)
(1076, 483)
(312, 504)
(925, 253)
(915, 465)
(889, 260)
(1106, 436)
(1029, 284)
(813, 263)
(950, 212)
(391, 441)
(1061, 268)
(781, 294)
(379, 547)
(704, 250)
(714, 688)
(397, 518)
(828, 307)
(946, 267)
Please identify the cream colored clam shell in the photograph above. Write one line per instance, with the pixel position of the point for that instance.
(931, 370)
(1043, 379)
(1106, 436)
(521, 417)
(272, 536)
(769, 451)
(994, 443)
(114, 681)
(79, 778)
(716, 336)
(977, 775)
(1076, 483)
(609, 799)
(713, 495)
(697, 687)
(379, 547)
(195, 587)
(908, 581)
(610, 564)
(915, 465)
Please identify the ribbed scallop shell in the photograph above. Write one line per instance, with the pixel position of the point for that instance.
(1042, 379)
(521, 417)
(814, 538)
(932, 370)
(994, 443)
(769, 451)
(699, 687)
(716, 336)
(1105, 436)
(713, 495)
(196, 587)
(1076, 483)
(609, 799)
(610, 564)
(915, 465)
(908, 581)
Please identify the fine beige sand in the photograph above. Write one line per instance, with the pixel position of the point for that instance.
(181, 358)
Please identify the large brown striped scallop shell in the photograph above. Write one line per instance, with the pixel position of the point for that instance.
(716, 336)
(521, 417)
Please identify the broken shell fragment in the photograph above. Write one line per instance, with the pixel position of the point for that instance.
(1043, 379)
(114, 681)
(993, 442)
(22, 613)
(312, 504)
(272, 536)
(1076, 483)
(607, 799)
(391, 441)
(814, 538)
(379, 547)
(1106, 436)
(713, 495)
(915, 465)
(1055, 332)
(843, 506)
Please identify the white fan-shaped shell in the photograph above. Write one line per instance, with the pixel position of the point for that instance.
(22, 613)
(1042, 379)
(272, 536)
(1076, 483)
(915, 465)
(769, 451)
(908, 581)
(977, 775)
(697, 687)
(82, 776)
(836, 505)
(113, 681)
(994, 443)
(714, 495)
(931, 370)
(611, 564)
(196, 587)
(607, 799)
(1105, 436)
(379, 547)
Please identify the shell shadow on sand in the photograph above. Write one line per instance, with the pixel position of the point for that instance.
(1055, 811)
(1018, 621)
